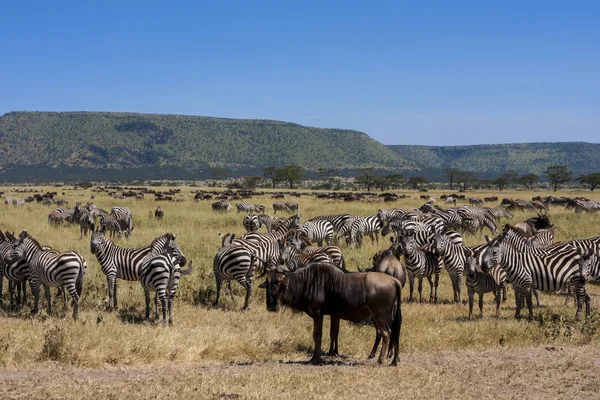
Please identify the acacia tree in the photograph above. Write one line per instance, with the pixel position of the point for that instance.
(270, 173)
(251, 182)
(290, 174)
(527, 180)
(558, 175)
(417, 181)
(451, 174)
(327, 176)
(366, 178)
(465, 178)
(592, 181)
(217, 174)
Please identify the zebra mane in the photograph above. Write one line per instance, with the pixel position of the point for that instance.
(509, 228)
(24, 235)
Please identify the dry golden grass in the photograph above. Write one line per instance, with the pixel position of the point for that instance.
(442, 353)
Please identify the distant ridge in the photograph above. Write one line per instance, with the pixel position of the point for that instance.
(125, 146)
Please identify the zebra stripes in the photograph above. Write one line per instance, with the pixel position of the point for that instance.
(251, 222)
(221, 206)
(120, 262)
(293, 259)
(249, 207)
(124, 217)
(51, 269)
(548, 273)
(318, 231)
(234, 262)
(454, 257)
(160, 273)
(480, 282)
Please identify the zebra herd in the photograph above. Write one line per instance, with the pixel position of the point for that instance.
(158, 268)
(118, 222)
(428, 239)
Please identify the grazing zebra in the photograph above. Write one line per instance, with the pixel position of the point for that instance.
(120, 262)
(234, 262)
(480, 282)
(420, 264)
(86, 223)
(160, 273)
(334, 252)
(318, 231)
(292, 206)
(51, 269)
(110, 224)
(251, 223)
(499, 212)
(392, 213)
(454, 257)
(548, 273)
(370, 226)
(293, 259)
(249, 207)
(280, 207)
(159, 213)
(268, 221)
(337, 220)
(221, 206)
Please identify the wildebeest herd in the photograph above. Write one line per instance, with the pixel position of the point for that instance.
(304, 265)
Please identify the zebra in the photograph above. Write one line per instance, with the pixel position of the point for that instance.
(17, 272)
(221, 206)
(51, 269)
(392, 213)
(454, 257)
(420, 264)
(120, 262)
(480, 282)
(268, 221)
(110, 224)
(334, 252)
(337, 220)
(160, 273)
(280, 207)
(543, 238)
(318, 231)
(234, 262)
(124, 217)
(251, 222)
(249, 207)
(86, 223)
(292, 206)
(370, 225)
(159, 213)
(293, 259)
(548, 273)
(499, 212)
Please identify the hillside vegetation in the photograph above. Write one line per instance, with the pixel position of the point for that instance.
(125, 146)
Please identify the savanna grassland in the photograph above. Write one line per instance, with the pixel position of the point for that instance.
(227, 353)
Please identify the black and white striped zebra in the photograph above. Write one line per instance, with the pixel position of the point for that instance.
(86, 223)
(454, 257)
(51, 269)
(251, 223)
(249, 207)
(121, 262)
(420, 264)
(221, 206)
(547, 273)
(337, 220)
(16, 271)
(160, 273)
(234, 262)
(108, 223)
(293, 259)
(390, 214)
(370, 226)
(334, 252)
(318, 231)
(124, 217)
(542, 239)
(480, 282)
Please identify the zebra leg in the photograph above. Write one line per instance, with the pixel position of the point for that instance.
(420, 288)
(411, 282)
(156, 299)
(471, 294)
(147, 299)
(436, 282)
(115, 306)
(248, 286)
(1, 285)
(230, 291)
(75, 298)
(160, 294)
(455, 283)
(170, 309)
(48, 298)
(537, 297)
(24, 289)
(497, 299)
(110, 282)
(35, 290)
(529, 304)
(518, 302)
(333, 336)
(504, 293)
(216, 303)
(481, 304)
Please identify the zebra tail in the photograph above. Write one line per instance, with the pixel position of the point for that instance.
(79, 281)
(343, 264)
(188, 270)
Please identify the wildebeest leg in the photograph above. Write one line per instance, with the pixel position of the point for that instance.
(317, 336)
(383, 331)
(333, 336)
(375, 345)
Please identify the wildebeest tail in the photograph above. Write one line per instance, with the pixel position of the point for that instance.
(397, 319)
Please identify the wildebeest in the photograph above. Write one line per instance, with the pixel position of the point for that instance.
(323, 289)
(386, 262)
(159, 213)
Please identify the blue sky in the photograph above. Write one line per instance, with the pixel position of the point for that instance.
(433, 73)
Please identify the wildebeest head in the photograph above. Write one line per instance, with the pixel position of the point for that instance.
(276, 284)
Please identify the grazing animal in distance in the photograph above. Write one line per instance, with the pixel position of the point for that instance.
(159, 213)
(323, 289)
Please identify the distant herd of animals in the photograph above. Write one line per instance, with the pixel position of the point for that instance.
(304, 266)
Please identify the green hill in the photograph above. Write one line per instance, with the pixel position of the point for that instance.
(494, 160)
(95, 143)
(124, 146)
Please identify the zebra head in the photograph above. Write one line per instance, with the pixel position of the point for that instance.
(287, 252)
(589, 266)
(493, 251)
(20, 247)
(98, 241)
(171, 247)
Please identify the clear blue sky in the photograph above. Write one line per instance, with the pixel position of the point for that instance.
(435, 73)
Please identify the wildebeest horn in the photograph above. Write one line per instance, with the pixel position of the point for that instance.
(359, 268)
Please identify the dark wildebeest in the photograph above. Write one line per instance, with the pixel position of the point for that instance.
(323, 289)
(386, 262)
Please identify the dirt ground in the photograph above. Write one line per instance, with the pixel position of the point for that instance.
(531, 373)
